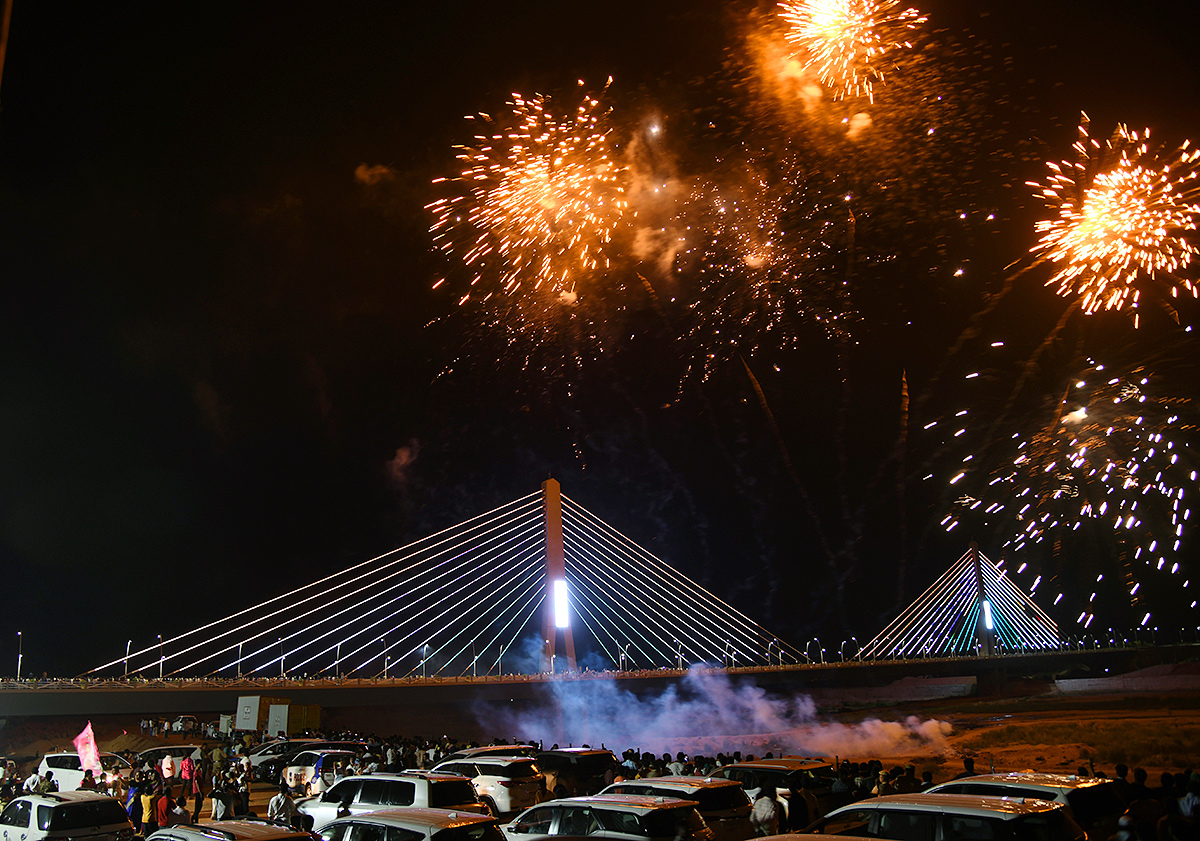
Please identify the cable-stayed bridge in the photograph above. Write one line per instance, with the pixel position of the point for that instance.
(514, 584)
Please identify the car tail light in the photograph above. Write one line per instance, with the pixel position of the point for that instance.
(509, 783)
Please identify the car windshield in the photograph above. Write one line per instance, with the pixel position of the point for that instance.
(1092, 804)
(682, 822)
(718, 798)
(517, 769)
(447, 793)
(482, 831)
(81, 815)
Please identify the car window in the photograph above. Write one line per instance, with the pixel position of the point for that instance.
(447, 793)
(680, 822)
(965, 828)
(535, 821)
(333, 832)
(399, 833)
(399, 793)
(900, 825)
(83, 815)
(17, 814)
(480, 831)
(343, 792)
(577, 820)
(623, 822)
(849, 822)
(365, 832)
(517, 770)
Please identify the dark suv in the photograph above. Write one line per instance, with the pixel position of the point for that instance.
(572, 772)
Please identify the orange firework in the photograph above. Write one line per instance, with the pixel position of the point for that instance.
(539, 198)
(1123, 212)
(848, 42)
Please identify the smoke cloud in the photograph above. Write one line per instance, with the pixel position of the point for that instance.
(707, 714)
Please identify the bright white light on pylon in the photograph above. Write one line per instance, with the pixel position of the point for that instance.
(562, 615)
(987, 615)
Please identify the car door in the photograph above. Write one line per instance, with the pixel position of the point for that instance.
(577, 821)
(14, 820)
(536, 823)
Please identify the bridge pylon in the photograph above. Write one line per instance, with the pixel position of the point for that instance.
(556, 622)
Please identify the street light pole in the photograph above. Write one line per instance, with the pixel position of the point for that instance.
(337, 664)
(127, 644)
(239, 660)
(160, 657)
(20, 651)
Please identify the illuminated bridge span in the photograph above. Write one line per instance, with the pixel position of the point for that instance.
(461, 601)
(972, 609)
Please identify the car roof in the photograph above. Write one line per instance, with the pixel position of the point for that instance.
(783, 763)
(324, 752)
(631, 802)
(63, 797)
(575, 752)
(416, 773)
(236, 830)
(76, 753)
(417, 815)
(681, 783)
(1003, 807)
(489, 759)
(1035, 779)
(486, 750)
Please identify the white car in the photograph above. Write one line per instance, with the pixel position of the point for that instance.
(415, 824)
(68, 769)
(65, 815)
(314, 771)
(722, 803)
(269, 750)
(1094, 803)
(369, 792)
(233, 830)
(505, 783)
(915, 817)
(632, 817)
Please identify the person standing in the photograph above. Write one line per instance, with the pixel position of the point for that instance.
(765, 816)
(282, 807)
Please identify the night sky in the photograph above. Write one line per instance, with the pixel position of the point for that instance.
(225, 372)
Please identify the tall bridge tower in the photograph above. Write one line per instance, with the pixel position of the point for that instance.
(556, 623)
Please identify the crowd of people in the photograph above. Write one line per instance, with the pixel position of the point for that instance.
(174, 790)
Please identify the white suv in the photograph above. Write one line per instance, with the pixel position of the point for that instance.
(506, 783)
(68, 769)
(413, 825)
(632, 817)
(368, 792)
(63, 815)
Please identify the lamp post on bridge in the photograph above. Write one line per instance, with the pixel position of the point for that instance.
(679, 655)
(424, 656)
(20, 651)
(337, 662)
(239, 670)
(624, 656)
(160, 657)
(127, 644)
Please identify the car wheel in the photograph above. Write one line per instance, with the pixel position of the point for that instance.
(489, 807)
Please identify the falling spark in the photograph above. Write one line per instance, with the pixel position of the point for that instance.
(1123, 211)
(848, 42)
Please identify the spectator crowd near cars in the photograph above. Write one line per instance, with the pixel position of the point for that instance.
(350, 787)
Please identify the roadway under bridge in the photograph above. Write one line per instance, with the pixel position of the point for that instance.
(463, 706)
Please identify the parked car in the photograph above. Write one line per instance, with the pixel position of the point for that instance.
(314, 771)
(68, 769)
(632, 817)
(65, 814)
(177, 752)
(722, 803)
(951, 817)
(235, 830)
(368, 792)
(491, 750)
(505, 783)
(185, 724)
(278, 747)
(271, 769)
(573, 772)
(816, 776)
(1094, 803)
(416, 824)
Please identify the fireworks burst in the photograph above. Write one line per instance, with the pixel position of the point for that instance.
(1123, 212)
(1115, 455)
(848, 42)
(540, 196)
(766, 268)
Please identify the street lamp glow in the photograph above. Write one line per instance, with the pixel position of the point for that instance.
(562, 614)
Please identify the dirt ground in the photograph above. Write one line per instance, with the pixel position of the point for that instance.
(1035, 732)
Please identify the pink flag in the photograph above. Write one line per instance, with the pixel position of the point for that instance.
(89, 755)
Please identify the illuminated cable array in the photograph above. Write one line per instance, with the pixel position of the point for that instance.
(633, 603)
(945, 619)
(457, 602)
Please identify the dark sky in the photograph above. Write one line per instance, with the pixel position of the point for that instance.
(220, 354)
